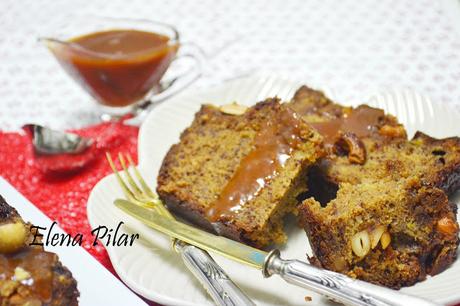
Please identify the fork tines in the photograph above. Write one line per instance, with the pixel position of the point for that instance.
(139, 193)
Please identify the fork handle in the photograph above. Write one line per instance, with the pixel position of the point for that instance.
(219, 286)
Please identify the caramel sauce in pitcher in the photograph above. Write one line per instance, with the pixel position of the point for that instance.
(273, 146)
(117, 67)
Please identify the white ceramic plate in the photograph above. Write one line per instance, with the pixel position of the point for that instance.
(152, 270)
(96, 284)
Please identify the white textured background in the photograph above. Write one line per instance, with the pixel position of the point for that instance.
(353, 46)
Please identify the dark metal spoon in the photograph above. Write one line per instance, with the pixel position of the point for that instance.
(49, 142)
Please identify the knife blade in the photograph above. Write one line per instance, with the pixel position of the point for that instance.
(204, 240)
(334, 285)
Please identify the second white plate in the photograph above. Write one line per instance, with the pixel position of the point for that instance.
(155, 272)
(92, 278)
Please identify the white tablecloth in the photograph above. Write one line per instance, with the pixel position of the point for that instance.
(355, 47)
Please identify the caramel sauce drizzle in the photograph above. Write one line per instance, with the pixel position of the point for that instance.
(36, 262)
(362, 121)
(273, 146)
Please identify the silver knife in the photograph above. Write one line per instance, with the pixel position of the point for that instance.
(331, 284)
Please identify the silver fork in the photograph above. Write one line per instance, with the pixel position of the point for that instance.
(214, 279)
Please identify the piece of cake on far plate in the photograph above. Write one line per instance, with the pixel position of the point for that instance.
(29, 275)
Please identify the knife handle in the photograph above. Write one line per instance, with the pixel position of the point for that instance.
(336, 286)
(219, 286)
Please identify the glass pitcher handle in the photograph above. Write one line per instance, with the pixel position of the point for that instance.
(176, 84)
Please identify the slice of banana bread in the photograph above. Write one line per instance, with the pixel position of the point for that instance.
(380, 152)
(375, 186)
(28, 274)
(388, 232)
(371, 127)
(435, 161)
(240, 174)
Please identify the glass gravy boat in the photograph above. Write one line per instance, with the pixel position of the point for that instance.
(112, 59)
